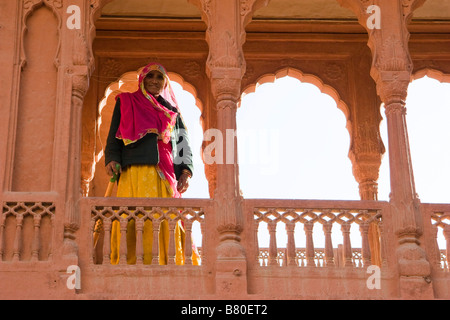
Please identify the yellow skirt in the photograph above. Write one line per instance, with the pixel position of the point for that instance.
(144, 181)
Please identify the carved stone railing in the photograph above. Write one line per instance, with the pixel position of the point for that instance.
(437, 234)
(302, 217)
(301, 259)
(327, 246)
(104, 211)
(26, 231)
(319, 257)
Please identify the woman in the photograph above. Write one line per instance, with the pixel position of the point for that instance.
(143, 147)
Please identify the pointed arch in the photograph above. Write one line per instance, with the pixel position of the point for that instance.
(29, 10)
(38, 72)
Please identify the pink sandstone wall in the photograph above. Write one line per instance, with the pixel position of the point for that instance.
(50, 114)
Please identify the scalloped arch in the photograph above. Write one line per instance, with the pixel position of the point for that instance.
(186, 87)
(128, 82)
(431, 73)
(305, 78)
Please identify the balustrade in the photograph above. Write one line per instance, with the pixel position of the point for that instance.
(319, 257)
(26, 230)
(103, 218)
(311, 256)
(307, 240)
(440, 231)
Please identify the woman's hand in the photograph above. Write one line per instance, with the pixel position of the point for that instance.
(183, 182)
(111, 168)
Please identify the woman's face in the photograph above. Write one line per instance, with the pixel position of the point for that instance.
(154, 83)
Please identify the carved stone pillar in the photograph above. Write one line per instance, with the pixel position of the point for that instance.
(73, 192)
(78, 63)
(91, 13)
(391, 70)
(77, 76)
(414, 269)
(225, 68)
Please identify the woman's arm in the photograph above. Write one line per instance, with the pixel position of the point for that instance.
(183, 161)
(113, 149)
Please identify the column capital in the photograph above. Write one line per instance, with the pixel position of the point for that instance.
(226, 85)
(388, 40)
(226, 36)
(392, 86)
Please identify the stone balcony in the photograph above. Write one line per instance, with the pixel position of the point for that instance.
(35, 257)
(312, 249)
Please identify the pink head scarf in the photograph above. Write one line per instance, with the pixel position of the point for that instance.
(141, 114)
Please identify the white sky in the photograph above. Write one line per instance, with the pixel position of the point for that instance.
(293, 144)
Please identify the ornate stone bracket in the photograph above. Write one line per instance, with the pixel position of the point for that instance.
(224, 36)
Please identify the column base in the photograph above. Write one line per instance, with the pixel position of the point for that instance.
(231, 270)
(415, 271)
(231, 279)
(416, 288)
